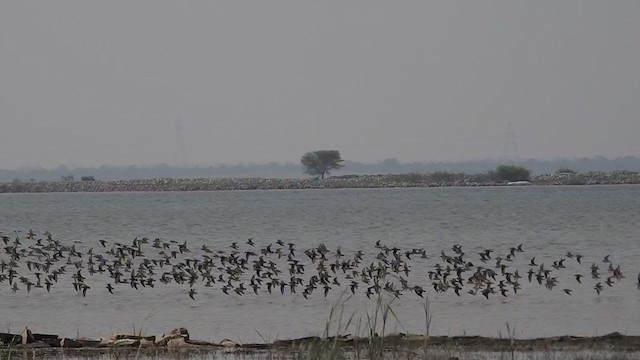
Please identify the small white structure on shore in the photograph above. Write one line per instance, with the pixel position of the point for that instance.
(518, 183)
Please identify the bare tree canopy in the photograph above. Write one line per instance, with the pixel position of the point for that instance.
(320, 163)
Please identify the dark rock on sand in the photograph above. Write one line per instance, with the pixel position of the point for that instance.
(6, 339)
(68, 343)
(613, 335)
(35, 345)
(88, 343)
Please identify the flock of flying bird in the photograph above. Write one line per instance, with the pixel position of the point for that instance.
(41, 262)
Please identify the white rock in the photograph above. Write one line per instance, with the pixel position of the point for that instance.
(228, 343)
(27, 336)
(126, 342)
(178, 342)
(164, 339)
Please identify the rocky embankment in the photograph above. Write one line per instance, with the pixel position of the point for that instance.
(336, 182)
(177, 338)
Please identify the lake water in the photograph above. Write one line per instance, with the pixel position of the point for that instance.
(550, 221)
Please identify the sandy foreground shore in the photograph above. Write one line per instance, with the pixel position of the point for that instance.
(179, 340)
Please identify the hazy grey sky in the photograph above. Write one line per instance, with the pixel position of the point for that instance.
(103, 82)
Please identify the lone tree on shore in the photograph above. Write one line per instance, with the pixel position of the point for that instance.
(320, 163)
(512, 173)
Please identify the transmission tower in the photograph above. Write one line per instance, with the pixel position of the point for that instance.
(181, 156)
(510, 148)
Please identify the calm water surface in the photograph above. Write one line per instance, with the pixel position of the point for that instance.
(550, 221)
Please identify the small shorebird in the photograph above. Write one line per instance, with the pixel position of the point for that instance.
(598, 288)
(39, 265)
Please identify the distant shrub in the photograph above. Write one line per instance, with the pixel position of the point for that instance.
(87, 178)
(565, 171)
(512, 173)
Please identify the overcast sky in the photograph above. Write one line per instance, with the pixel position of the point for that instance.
(104, 82)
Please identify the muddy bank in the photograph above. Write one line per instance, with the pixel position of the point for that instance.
(338, 182)
(178, 339)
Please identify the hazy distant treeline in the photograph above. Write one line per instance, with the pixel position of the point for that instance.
(278, 170)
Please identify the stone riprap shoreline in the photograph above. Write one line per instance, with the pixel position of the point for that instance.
(336, 182)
